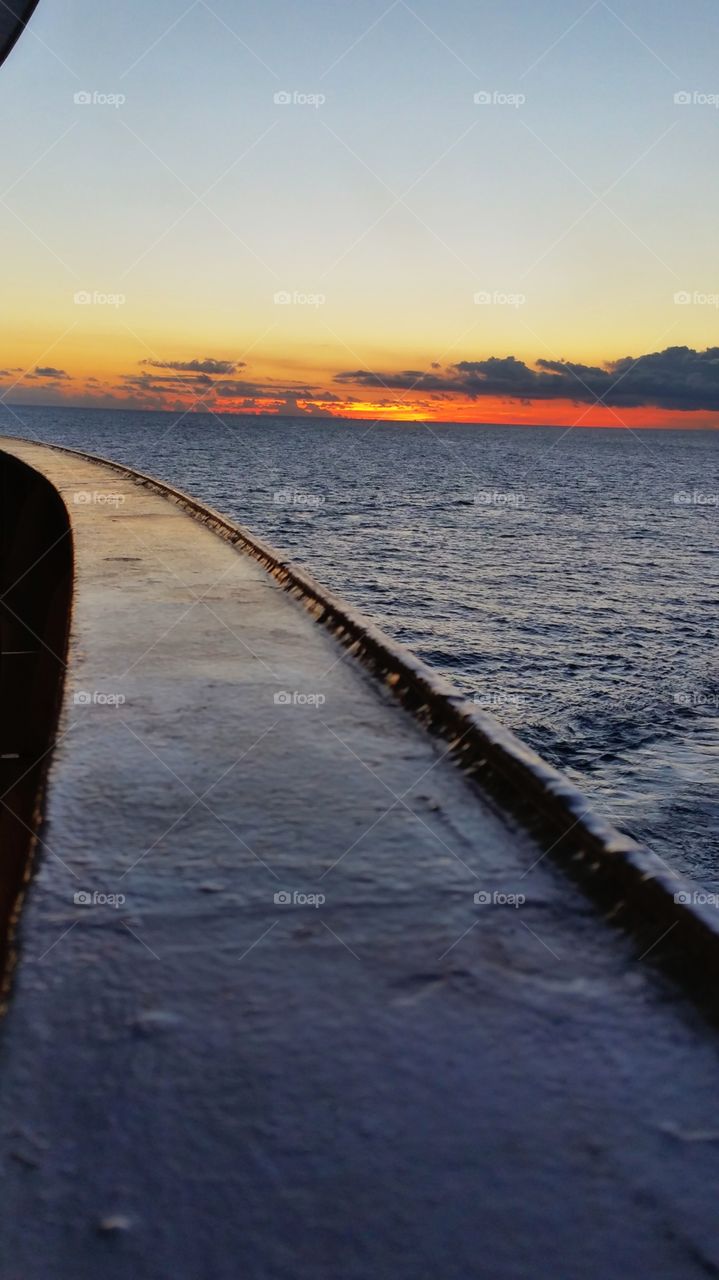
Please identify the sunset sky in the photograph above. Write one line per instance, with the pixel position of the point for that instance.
(463, 211)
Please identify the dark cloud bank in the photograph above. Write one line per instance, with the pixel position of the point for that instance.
(207, 366)
(210, 381)
(678, 378)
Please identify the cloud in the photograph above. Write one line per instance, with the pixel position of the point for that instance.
(677, 378)
(56, 374)
(220, 368)
(170, 390)
(263, 390)
(177, 382)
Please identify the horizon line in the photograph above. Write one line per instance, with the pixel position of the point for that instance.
(363, 421)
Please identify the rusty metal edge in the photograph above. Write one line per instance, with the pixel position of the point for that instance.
(639, 889)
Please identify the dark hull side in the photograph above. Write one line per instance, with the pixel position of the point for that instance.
(14, 17)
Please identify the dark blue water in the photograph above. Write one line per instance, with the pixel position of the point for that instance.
(553, 576)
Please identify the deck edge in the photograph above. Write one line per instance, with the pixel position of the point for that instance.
(637, 887)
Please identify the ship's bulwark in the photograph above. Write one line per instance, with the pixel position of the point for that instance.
(294, 998)
(14, 16)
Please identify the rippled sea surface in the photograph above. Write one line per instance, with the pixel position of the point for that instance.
(552, 575)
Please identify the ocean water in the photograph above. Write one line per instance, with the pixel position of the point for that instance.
(567, 581)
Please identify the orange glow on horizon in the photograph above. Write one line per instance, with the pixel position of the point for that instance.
(122, 370)
(482, 411)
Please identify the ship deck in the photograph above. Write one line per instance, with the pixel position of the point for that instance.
(258, 1022)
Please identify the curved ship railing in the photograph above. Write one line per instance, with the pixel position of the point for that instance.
(632, 882)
